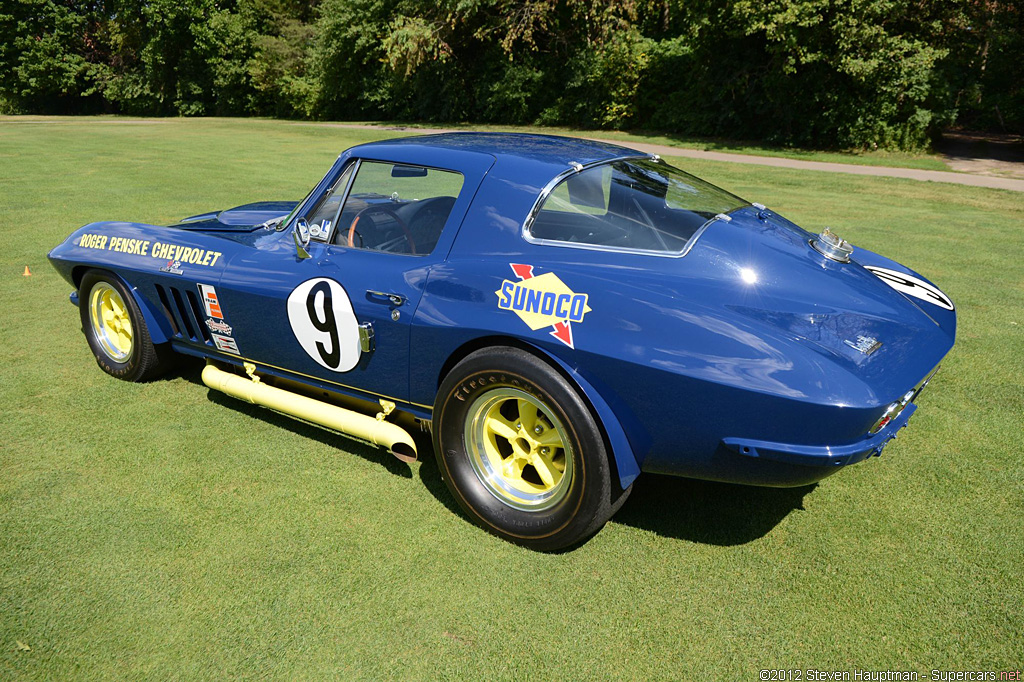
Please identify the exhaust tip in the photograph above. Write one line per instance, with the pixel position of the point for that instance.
(404, 452)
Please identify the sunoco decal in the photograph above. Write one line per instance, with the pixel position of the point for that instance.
(912, 286)
(543, 301)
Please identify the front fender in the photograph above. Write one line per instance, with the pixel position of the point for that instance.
(156, 322)
(140, 255)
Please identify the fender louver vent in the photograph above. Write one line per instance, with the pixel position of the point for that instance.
(183, 312)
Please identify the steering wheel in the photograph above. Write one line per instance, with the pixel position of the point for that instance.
(352, 234)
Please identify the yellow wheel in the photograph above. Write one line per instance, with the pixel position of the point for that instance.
(519, 449)
(116, 330)
(111, 323)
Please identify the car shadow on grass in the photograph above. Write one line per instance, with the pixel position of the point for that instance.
(706, 512)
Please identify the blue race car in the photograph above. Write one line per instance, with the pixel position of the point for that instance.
(561, 314)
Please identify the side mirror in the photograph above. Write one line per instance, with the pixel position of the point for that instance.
(301, 236)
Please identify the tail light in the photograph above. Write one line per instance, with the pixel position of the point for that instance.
(894, 409)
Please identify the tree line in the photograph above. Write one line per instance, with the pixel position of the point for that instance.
(820, 73)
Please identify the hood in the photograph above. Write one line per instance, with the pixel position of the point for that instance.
(244, 218)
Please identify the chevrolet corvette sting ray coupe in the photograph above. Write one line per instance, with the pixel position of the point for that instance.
(561, 314)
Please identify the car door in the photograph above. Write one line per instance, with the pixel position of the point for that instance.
(343, 315)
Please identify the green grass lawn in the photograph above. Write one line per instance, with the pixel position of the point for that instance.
(160, 531)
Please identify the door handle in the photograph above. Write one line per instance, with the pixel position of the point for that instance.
(396, 299)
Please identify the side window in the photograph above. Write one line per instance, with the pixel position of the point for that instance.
(323, 221)
(397, 208)
(582, 193)
(631, 205)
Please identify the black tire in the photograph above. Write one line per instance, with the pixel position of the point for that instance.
(535, 504)
(123, 351)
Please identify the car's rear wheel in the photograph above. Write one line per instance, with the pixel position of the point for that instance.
(521, 451)
(116, 330)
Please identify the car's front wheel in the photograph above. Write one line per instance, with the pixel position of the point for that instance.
(520, 450)
(116, 330)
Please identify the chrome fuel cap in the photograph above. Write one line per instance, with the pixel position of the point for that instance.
(832, 246)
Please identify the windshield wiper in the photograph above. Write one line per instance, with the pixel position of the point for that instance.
(274, 223)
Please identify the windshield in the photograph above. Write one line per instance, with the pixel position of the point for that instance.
(288, 218)
(632, 205)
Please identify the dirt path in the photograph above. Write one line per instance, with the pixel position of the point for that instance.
(1015, 184)
(983, 153)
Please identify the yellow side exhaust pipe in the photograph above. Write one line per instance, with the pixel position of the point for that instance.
(367, 428)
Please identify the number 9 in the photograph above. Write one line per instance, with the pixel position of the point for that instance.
(324, 323)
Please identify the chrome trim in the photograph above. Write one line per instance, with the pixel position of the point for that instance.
(554, 182)
(366, 341)
(329, 239)
(890, 413)
(832, 246)
(300, 235)
(303, 206)
(561, 176)
(895, 408)
(576, 166)
(396, 299)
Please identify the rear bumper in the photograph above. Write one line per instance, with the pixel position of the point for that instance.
(822, 455)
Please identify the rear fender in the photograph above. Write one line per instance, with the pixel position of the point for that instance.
(938, 307)
(622, 451)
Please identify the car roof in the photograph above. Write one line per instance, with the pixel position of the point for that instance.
(510, 150)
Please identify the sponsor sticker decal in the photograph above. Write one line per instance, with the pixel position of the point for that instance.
(169, 253)
(173, 267)
(219, 326)
(543, 301)
(210, 301)
(225, 344)
(912, 286)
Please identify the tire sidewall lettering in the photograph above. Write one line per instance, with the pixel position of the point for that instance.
(130, 368)
(586, 505)
(456, 463)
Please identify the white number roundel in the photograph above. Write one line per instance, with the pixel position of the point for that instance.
(322, 320)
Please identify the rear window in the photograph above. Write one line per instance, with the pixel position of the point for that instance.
(630, 205)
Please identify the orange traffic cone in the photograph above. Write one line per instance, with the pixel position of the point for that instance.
(27, 273)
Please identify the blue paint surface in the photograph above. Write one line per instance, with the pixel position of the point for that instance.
(748, 340)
